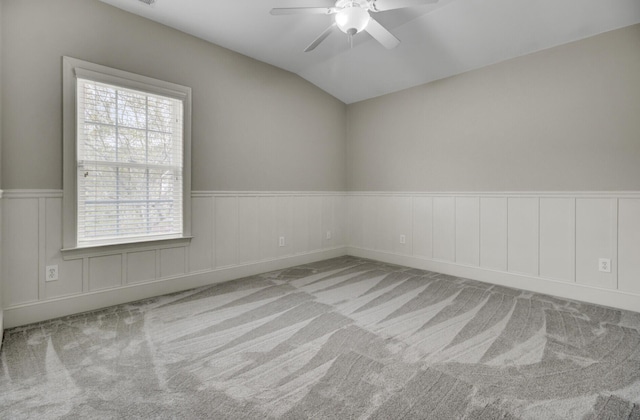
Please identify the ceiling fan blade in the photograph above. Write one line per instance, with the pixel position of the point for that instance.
(321, 38)
(303, 11)
(381, 34)
(384, 5)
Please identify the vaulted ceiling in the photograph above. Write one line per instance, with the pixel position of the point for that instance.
(437, 40)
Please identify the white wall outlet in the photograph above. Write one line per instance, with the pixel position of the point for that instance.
(604, 265)
(403, 239)
(51, 273)
(281, 241)
(328, 235)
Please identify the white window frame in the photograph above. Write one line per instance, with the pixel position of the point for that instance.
(73, 68)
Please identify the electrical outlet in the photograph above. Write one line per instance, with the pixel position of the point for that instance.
(604, 265)
(328, 235)
(51, 273)
(403, 239)
(281, 241)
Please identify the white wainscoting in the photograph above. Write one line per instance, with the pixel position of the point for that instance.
(544, 242)
(235, 234)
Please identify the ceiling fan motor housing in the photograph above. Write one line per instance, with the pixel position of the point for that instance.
(353, 16)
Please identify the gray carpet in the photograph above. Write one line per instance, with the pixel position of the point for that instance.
(340, 339)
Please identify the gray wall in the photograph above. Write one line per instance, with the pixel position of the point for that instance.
(567, 118)
(255, 127)
(1, 268)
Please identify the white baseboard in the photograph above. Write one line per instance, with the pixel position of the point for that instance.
(605, 297)
(40, 311)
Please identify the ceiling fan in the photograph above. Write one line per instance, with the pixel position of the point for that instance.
(352, 17)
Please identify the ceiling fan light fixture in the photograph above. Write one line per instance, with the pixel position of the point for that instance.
(352, 20)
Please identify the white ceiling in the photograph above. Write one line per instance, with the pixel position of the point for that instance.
(440, 40)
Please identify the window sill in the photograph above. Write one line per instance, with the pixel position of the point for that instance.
(111, 249)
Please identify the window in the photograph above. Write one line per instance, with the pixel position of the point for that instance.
(126, 157)
(129, 163)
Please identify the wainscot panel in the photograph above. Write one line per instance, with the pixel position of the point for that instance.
(493, 233)
(596, 238)
(523, 235)
(629, 244)
(444, 228)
